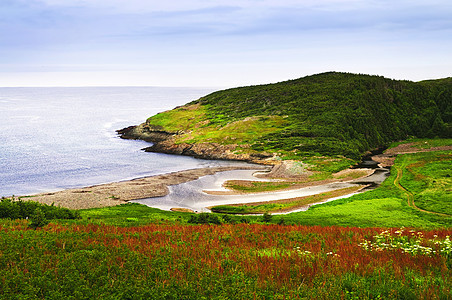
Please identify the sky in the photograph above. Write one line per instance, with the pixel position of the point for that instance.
(216, 43)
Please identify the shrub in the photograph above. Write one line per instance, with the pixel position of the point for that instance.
(38, 219)
(204, 218)
(266, 217)
(10, 209)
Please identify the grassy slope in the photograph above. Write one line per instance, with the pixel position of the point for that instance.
(333, 114)
(131, 214)
(388, 205)
(429, 178)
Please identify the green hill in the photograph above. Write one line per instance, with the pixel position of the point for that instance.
(332, 114)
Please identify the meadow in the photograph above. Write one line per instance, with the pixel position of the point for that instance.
(417, 194)
(241, 261)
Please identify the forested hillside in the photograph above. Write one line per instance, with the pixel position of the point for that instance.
(328, 114)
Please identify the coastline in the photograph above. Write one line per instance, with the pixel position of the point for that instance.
(165, 142)
(116, 193)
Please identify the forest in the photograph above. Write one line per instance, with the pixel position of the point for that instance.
(328, 114)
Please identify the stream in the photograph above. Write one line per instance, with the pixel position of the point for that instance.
(190, 195)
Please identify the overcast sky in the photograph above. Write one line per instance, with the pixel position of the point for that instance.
(219, 43)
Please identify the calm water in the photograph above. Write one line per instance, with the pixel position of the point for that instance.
(57, 138)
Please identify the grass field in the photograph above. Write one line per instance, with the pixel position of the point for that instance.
(389, 205)
(428, 177)
(243, 261)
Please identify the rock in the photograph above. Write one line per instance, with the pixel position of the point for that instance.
(145, 133)
(126, 130)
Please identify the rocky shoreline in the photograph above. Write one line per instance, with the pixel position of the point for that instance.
(164, 142)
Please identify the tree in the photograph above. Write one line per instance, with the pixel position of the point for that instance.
(38, 219)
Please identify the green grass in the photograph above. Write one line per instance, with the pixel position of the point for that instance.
(387, 205)
(429, 177)
(131, 214)
(134, 214)
(238, 132)
(382, 212)
(197, 128)
(329, 165)
(183, 118)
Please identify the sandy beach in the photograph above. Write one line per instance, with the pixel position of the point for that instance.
(116, 193)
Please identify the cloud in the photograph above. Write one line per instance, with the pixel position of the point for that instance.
(120, 35)
(156, 5)
(85, 20)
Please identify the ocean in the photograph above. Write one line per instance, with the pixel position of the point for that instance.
(58, 138)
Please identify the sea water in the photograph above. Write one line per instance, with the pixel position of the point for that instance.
(58, 138)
